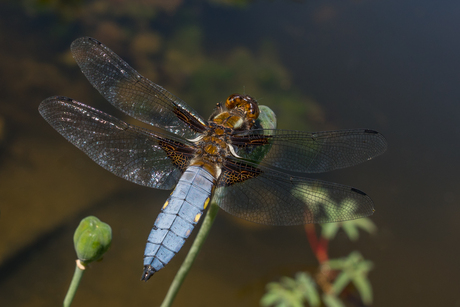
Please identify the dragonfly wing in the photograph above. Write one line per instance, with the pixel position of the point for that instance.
(130, 92)
(310, 152)
(132, 153)
(270, 197)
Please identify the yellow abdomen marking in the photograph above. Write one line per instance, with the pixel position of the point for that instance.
(197, 217)
(206, 203)
(166, 204)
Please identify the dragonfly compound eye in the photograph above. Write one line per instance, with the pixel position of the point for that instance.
(252, 109)
(234, 101)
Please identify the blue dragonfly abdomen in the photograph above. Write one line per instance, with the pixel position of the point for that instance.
(179, 215)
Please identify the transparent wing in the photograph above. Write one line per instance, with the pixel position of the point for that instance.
(309, 152)
(135, 95)
(129, 152)
(276, 198)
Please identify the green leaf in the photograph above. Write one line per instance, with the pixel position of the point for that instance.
(366, 224)
(332, 301)
(336, 264)
(342, 280)
(288, 282)
(280, 294)
(351, 230)
(291, 292)
(329, 230)
(92, 239)
(355, 269)
(269, 299)
(351, 227)
(308, 287)
(364, 288)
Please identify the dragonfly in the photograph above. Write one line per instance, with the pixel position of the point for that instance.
(251, 171)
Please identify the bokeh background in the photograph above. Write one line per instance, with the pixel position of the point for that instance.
(392, 66)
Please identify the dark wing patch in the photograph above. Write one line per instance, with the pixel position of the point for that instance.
(235, 172)
(130, 92)
(180, 154)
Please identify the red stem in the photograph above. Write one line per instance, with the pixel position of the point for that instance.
(320, 246)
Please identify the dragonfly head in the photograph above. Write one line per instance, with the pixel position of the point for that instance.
(245, 103)
(239, 112)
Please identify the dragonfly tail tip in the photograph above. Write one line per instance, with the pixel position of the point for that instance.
(148, 272)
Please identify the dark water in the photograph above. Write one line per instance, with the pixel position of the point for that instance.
(392, 66)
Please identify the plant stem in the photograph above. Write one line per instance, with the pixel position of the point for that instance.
(319, 246)
(77, 275)
(187, 264)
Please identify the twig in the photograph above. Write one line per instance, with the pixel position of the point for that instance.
(186, 265)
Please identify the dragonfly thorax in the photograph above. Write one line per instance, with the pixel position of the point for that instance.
(238, 113)
(213, 146)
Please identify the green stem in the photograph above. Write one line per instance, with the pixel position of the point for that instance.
(77, 275)
(187, 264)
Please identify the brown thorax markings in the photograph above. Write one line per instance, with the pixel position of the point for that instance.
(239, 113)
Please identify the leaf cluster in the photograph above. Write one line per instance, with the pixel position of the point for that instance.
(306, 290)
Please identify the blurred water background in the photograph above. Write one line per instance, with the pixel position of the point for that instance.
(392, 66)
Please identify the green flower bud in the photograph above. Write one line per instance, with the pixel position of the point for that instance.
(92, 239)
(266, 120)
(267, 117)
